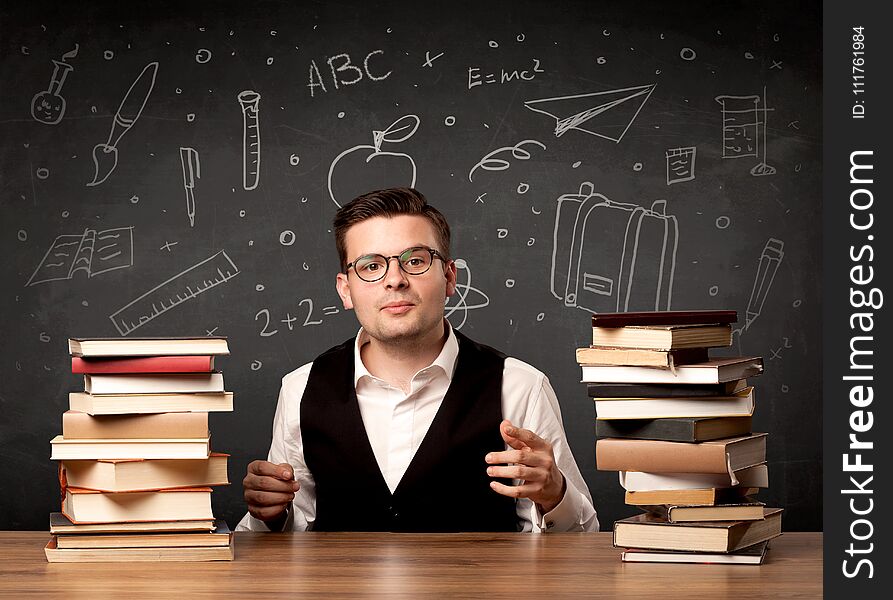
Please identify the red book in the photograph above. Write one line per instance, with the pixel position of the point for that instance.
(143, 364)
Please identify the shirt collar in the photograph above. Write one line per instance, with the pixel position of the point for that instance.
(445, 361)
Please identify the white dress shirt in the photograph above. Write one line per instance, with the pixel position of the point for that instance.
(396, 423)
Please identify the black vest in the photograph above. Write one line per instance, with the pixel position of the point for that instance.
(448, 469)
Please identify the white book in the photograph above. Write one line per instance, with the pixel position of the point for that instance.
(126, 404)
(98, 449)
(739, 405)
(756, 476)
(183, 504)
(715, 370)
(153, 383)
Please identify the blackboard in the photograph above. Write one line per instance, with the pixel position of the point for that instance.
(540, 129)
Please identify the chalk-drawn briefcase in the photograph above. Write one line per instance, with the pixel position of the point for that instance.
(611, 256)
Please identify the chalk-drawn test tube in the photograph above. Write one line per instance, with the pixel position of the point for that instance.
(250, 102)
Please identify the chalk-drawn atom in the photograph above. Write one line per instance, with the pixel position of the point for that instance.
(520, 37)
(509, 283)
(493, 44)
(541, 316)
(287, 237)
(22, 235)
(523, 187)
(797, 303)
(134, 199)
(449, 121)
(687, 54)
(637, 166)
(714, 290)
(108, 55)
(259, 287)
(722, 222)
(294, 159)
(256, 365)
(42, 173)
(601, 60)
(202, 56)
(65, 214)
(531, 242)
(190, 117)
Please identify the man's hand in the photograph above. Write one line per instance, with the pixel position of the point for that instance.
(531, 461)
(269, 489)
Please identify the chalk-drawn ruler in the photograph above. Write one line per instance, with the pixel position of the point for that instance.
(202, 277)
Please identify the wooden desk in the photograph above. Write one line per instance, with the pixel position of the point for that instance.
(524, 566)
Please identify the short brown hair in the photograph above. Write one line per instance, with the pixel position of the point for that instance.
(388, 203)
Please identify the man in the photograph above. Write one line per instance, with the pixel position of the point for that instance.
(411, 426)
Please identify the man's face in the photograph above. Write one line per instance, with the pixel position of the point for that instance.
(399, 307)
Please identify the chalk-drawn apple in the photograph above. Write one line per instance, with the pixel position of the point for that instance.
(365, 168)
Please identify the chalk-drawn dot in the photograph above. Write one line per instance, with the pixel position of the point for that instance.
(661, 36)
(287, 237)
(259, 287)
(269, 60)
(294, 160)
(723, 222)
(250, 242)
(797, 168)
(22, 235)
(531, 242)
(242, 213)
(341, 115)
(870, 238)
(65, 214)
(202, 56)
(84, 303)
(93, 109)
(657, 71)
(24, 49)
(775, 38)
(509, 283)
(201, 29)
(748, 56)
(190, 117)
(42, 173)
(605, 32)
(785, 389)
(273, 32)
(576, 164)
(178, 91)
(520, 37)
(449, 121)
(108, 55)
(134, 199)
(535, 211)
(493, 44)
(256, 365)
(797, 303)
(541, 316)
(601, 60)
(305, 266)
(303, 199)
(502, 233)
(687, 54)
(637, 166)
(714, 290)
(44, 337)
(523, 187)
(718, 32)
(388, 30)
(231, 32)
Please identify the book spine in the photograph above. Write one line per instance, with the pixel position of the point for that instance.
(613, 454)
(148, 364)
(670, 430)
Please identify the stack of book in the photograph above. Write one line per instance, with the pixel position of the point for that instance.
(135, 460)
(676, 424)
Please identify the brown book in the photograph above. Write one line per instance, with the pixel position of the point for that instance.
(218, 537)
(650, 532)
(126, 404)
(746, 510)
(78, 425)
(665, 359)
(664, 317)
(752, 555)
(656, 456)
(663, 337)
(756, 476)
(182, 504)
(695, 497)
(59, 523)
(141, 474)
(113, 449)
(93, 555)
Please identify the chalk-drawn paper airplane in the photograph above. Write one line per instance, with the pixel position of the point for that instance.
(624, 104)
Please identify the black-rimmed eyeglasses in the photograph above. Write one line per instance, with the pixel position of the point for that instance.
(413, 261)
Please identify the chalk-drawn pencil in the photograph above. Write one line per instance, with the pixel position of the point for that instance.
(191, 171)
(105, 156)
(771, 257)
(250, 100)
